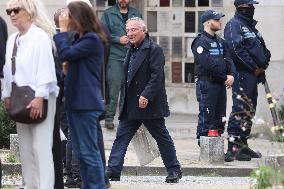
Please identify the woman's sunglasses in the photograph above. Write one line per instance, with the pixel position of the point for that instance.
(16, 10)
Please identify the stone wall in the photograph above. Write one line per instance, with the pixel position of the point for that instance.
(182, 96)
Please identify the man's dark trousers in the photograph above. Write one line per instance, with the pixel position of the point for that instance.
(244, 89)
(212, 100)
(126, 131)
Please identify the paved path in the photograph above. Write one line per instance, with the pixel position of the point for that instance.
(183, 128)
(180, 187)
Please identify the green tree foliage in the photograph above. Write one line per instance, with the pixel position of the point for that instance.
(7, 127)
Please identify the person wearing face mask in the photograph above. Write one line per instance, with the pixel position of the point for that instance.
(214, 72)
(251, 58)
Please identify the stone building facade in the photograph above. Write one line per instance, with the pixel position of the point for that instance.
(174, 24)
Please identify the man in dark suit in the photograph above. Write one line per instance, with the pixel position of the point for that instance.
(143, 100)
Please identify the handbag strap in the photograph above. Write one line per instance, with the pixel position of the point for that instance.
(13, 59)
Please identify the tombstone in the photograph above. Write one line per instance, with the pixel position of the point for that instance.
(212, 150)
(14, 146)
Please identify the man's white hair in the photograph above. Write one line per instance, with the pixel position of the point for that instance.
(38, 15)
(140, 21)
(86, 1)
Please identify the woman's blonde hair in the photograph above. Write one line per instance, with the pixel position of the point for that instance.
(38, 15)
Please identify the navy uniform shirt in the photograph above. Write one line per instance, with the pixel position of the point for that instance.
(246, 45)
(212, 60)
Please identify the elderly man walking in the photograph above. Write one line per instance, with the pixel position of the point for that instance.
(143, 101)
(115, 19)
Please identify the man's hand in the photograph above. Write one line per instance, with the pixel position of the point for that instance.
(124, 40)
(143, 102)
(36, 107)
(258, 71)
(229, 82)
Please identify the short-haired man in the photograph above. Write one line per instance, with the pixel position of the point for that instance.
(214, 72)
(251, 58)
(114, 18)
(143, 101)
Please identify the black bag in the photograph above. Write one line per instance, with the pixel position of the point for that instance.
(21, 97)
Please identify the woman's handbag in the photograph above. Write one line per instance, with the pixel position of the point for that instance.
(21, 97)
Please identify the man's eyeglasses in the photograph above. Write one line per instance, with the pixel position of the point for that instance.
(132, 30)
(16, 10)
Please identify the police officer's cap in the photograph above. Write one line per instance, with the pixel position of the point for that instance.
(240, 2)
(211, 14)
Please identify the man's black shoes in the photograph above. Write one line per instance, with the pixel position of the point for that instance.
(112, 176)
(108, 185)
(251, 153)
(173, 176)
(73, 182)
(238, 155)
(235, 152)
(239, 150)
(109, 124)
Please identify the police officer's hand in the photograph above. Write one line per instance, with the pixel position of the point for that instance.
(143, 102)
(229, 82)
(124, 40)
(261, 78)
(258, 71)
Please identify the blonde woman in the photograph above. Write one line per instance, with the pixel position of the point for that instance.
(35, 68)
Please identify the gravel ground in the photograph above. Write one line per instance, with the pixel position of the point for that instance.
(15, 180)
(157, 180)
(186, 180)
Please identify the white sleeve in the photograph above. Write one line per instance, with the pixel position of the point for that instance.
(46, 76)
(8, 78)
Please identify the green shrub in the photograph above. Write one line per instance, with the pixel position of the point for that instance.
(7, 127)
(281, 112)
(279, 138)
(11, 158)
(262, 176)
(266, 177)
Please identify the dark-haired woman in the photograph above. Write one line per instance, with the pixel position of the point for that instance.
(83, 95)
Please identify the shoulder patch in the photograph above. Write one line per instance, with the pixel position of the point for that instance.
(199, 49)
(214, 44)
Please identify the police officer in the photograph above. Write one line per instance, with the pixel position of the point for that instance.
(214, 71)
(251, 58)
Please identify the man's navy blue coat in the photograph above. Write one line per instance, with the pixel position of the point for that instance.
(83, 81)
(147, 79)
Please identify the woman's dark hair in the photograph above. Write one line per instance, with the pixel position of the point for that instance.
(84, 19)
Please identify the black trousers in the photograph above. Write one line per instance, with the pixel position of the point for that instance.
(56, 150)
(125, 132)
